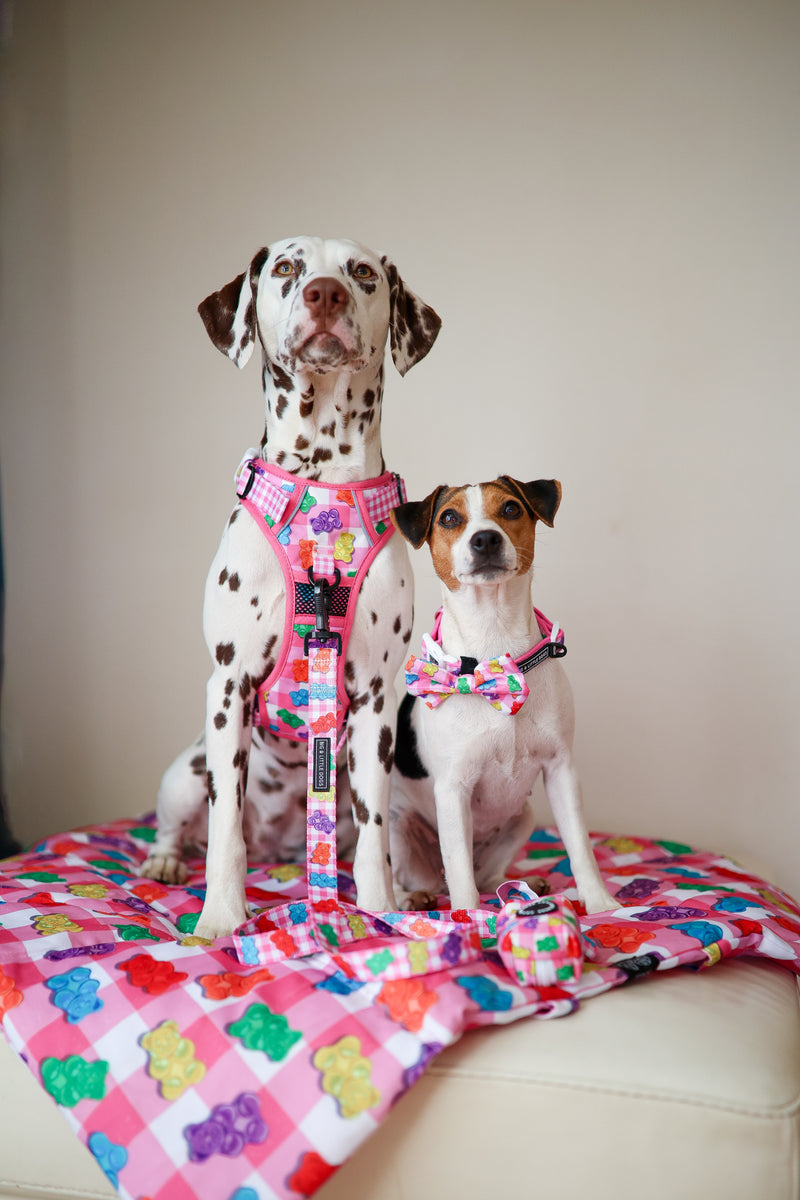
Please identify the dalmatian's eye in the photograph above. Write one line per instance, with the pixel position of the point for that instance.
(450, 518)
(283, 268)
(511, 510)
(364, 271)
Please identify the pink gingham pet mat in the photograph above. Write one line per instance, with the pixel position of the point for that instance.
(191, 1075)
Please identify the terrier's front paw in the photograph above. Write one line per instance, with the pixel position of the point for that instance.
(599, 901)
(165, 868)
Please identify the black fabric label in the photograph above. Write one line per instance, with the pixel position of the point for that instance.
(322, 764)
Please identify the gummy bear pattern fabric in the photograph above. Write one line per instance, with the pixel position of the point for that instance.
(192, 1076)
(334, 531)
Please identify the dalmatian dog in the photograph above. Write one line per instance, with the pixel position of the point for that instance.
(322, 311)
(489, 708)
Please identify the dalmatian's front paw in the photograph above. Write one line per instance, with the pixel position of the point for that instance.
(165, 868)
(220, 919)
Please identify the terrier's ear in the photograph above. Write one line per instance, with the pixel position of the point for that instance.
(413, 325)
(414, 519)
(541, 497)
(229, 315)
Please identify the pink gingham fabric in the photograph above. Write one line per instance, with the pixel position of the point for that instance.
(327, 528)
(193, 1076)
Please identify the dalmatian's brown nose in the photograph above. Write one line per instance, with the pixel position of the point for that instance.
(486, 542)
(325, 298)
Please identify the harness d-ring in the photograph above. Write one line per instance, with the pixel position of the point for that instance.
(322, 604)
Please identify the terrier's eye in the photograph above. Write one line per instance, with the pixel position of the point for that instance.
(283, 268)
(449, 518)
(511, 510)
(364, 271)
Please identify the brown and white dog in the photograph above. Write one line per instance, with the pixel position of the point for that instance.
(322, 310)
(464, 772)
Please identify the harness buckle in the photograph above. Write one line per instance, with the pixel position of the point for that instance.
(322, 604)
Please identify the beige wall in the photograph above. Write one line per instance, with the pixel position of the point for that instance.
(601, 200)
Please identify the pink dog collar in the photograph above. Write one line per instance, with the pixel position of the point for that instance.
(435, 675)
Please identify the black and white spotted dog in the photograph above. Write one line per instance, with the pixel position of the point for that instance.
(322, 310)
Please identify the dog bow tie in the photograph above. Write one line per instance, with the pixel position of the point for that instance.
(436, 676)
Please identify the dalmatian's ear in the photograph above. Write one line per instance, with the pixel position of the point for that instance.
(413, 325)
(541, 497)
(229, 315)
(414, 519)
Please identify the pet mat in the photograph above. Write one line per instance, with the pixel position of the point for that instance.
(191, 1075)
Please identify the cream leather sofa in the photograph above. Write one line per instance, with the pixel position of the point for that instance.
(685, 1086)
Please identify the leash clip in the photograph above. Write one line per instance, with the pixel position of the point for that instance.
(322, 604)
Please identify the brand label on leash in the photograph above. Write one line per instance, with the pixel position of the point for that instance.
(322, 764)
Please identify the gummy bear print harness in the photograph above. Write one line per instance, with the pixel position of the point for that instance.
(334, 532)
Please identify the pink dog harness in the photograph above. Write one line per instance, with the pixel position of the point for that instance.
(325, 537)
(436, 675)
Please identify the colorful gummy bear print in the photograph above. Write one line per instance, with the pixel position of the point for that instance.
(111, 1157)
(485, 993)
(172, 1061)
(10, 995)
(227, 1130)
(407, 1000)
(261, 1029)
(312, 1171)
(152, 975)
(75, 993)
(346, 1076)
(72, 1079)
(232, 983)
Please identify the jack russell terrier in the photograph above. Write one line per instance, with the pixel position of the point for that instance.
(489, 708)
(310, 530)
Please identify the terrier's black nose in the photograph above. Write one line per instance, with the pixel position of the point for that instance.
(486, 542)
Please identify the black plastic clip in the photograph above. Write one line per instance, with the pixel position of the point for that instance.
(556, 650)
(322, 604)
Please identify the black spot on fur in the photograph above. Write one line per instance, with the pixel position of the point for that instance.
(223, 575)
(254, 601)
(351, 759)
(344, 449)
(373, 616)
(212, 791)
(198, 764)
(281, 407)
(360, 810)
(302, 443)
(397, 624)
(229, 686)
(378, 819)
(306, 408)
(357, 702)
(321, 455)
(328, 430)
(245, 686)
(246, 714)
(271, 785)
(376, 684)
(268, 648)
(224, 653)
(233, 516)
(220, 720)
(378, 705)
(385, 753)
(349, 671)
(240, 759)
(406, 753)
(369, 398)
(282, 379)
(234, 582)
